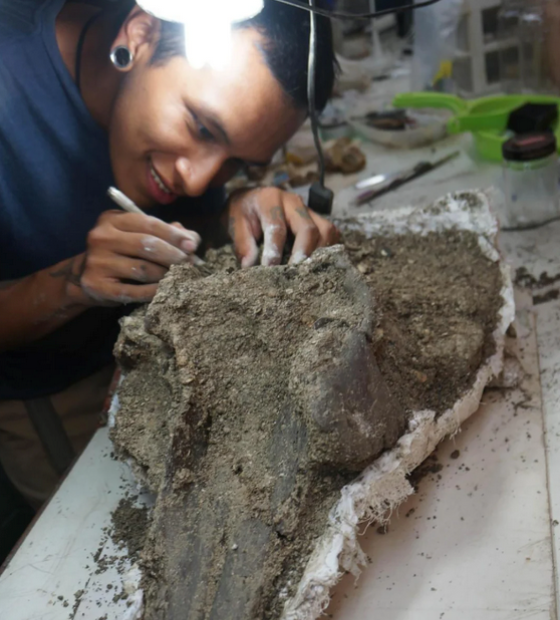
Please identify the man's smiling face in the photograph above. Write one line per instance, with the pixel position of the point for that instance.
(176, 130)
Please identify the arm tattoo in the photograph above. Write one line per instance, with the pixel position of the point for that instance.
(303, 212)
(72, 271)
(277, 214)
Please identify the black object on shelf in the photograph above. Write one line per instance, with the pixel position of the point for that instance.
(529, 147)
(533, 118)
(320, 199)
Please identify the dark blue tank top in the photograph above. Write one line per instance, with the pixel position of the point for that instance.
(54, 175)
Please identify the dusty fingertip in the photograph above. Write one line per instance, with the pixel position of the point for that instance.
(192, 234)
(247, 261)
(271, 256)
(188, 246)
(298, 257)
(250, 258)
(191, 242)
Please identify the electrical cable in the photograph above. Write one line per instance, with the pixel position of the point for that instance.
(300, 4)
(320, 197)
(311, 65)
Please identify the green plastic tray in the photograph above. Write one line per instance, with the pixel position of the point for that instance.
(486, 118)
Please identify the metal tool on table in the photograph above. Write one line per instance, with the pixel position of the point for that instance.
(488, 118)
(383, 183)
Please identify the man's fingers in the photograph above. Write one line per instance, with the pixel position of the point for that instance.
(109, 279)
(174, 234)
(125, 248)
(157, 251)
(143, 271)
(130, 293)
(271, 213)
(149, 248)
(274, 231)
(117, 293)
(244, 241)
(329, 233)
(306, 233)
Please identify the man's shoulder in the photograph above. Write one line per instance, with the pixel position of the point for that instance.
(23, 16)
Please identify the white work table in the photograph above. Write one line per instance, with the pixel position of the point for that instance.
(477, 541)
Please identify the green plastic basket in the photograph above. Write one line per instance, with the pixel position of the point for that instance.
(486, 118)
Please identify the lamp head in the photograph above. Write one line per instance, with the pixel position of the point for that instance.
(207, 24)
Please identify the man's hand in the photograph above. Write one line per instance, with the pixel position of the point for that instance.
(127, 255)
(271, 213)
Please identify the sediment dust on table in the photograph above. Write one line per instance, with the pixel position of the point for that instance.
(475, 541)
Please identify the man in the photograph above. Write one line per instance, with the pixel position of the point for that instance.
(92, 97)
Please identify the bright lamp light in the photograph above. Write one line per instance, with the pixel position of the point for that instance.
(207, 24)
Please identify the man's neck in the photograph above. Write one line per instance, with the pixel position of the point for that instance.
(99, 81)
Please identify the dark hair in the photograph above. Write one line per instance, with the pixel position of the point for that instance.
(286, 48)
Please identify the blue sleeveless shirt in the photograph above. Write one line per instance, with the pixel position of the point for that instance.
(54, 175)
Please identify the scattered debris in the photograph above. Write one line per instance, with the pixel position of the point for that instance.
(429, 466)
(525, 279)
(548, 296)
(130, 524)
(77, 599)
